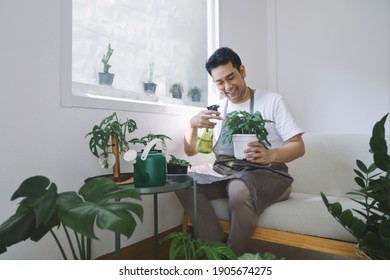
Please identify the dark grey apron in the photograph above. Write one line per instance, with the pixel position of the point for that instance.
(266, 183)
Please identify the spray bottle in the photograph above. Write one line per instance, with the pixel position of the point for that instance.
(205, 139)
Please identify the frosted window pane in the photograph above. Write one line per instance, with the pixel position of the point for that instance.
(169, 34)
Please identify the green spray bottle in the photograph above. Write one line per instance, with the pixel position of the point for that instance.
(205, 139)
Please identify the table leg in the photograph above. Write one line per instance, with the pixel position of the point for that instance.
(117, 246)
(195, 211)
(155, 238)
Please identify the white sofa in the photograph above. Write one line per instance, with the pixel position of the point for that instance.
(303, 220)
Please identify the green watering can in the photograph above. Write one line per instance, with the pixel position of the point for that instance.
(150, 167)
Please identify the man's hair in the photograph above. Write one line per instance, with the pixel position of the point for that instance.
(223, 56)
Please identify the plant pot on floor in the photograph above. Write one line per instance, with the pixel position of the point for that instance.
(150, 87)
(106, 78)
(240, 143)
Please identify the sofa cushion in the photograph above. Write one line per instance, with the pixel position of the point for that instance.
(328, 163)
(301, 213)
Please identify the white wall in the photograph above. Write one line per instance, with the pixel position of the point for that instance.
(38, 136)
(331, 57)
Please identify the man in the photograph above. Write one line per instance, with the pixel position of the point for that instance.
(258, 181)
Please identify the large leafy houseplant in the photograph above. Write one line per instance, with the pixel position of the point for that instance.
(108, 141)
(372, 228)
(43, 210)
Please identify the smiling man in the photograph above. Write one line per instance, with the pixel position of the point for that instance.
(251, 184)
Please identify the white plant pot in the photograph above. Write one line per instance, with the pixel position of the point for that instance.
(240, 143)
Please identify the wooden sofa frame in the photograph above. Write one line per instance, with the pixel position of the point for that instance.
(320, 244)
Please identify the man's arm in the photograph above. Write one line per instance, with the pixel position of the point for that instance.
(291, 150)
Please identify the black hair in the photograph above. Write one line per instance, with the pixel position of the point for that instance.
(223, 56)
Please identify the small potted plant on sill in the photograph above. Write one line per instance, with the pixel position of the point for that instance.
(108, 141)
(244, 127)
(195, 94)
(106, 78)
(43, 210)
(149, 85)
(176, 90)
(372, 227)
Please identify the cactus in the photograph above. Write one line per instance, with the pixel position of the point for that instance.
(106, 58)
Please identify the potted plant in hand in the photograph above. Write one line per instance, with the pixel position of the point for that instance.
(106, 78)
(43, 210)
(149, 85)
(372, 227)
(108, 141)
(244, 127)
(176, 90)
(195, 94)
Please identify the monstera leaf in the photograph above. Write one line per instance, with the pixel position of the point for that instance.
(99, 201)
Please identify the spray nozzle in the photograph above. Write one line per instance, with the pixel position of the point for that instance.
(213, 107)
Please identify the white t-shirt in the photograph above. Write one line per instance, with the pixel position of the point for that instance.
(272, 106)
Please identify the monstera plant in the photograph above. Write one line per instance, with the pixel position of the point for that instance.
(43, 210)
(372, 228)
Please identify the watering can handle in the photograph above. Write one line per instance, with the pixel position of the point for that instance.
(149, 147)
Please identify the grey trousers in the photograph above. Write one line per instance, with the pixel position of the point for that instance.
(243, 216)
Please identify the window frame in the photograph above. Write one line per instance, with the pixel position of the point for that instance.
(72, 100)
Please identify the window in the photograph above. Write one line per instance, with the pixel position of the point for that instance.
(166, 42)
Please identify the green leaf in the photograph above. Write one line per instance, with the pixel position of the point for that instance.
(335, 209)
(362, 166)
(358, 228)
(41, 196)
(17, 228)
(346, 217)
(361, 183)
(325, 200)
(100, 203)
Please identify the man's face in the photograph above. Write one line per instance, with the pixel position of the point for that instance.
(230, 82)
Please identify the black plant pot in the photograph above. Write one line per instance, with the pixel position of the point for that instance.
(177, 169)
(150, 87)
(106, 78)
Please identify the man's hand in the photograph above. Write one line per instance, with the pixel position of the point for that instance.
(204, 119)
(292, 149)
(257, 153)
